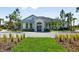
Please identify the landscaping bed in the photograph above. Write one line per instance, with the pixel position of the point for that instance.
(69, 41)
(7, 43)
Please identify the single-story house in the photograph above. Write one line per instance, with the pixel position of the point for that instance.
(37, 23)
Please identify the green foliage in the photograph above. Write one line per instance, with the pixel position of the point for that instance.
(77, 9)
(4, 38)
(23, 36)
(11, 37)
(38, 45)
(67, 36)
(56, 24)
(18, 37)
(14, 16)
(1, 20)
(69, 41)
(0, 29)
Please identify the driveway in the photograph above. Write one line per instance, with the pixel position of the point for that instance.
(29, 34)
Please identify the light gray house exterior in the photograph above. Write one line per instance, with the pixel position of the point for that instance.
(37, 23)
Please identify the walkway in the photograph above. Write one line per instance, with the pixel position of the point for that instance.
(30, 34)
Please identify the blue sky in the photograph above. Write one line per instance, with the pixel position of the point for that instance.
(52, 12)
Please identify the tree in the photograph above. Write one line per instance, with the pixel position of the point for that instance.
(69, 20)
(10, 23)
(73, 23)
(14, 18)
(62, 14)
(62, 17)
(1, 20)
(56, 23)
(77, 9)
(17, 17)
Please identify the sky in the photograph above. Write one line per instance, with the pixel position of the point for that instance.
(51, 12)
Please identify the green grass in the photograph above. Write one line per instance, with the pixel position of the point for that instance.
(37, 45)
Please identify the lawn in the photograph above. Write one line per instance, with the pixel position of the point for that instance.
(38, 45)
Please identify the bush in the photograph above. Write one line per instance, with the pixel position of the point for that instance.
(20, 37)
(11, 37)
(4, 38)
(17, 37)
(0, 29)
(23, 36)
(47, 30)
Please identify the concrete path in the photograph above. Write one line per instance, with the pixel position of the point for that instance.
(30, 34)
(39, 34)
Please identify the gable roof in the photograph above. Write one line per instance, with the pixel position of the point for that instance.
(29, 19)
(33, 17)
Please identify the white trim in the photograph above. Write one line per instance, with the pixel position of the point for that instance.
(24, 25)
(36, 21)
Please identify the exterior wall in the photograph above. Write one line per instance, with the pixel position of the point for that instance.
(28, 25)
(34, 25)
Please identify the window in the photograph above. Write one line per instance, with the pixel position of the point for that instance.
(26, 25)
(31, 25)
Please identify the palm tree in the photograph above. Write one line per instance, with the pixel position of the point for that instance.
(69, 20)
(73, 23)
(62, 16)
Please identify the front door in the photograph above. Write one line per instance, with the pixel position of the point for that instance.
(39, 27)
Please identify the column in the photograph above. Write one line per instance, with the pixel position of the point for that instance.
(28, 25)
(24, 25)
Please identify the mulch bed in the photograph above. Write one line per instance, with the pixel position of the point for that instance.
(70, 45)
(7, 45)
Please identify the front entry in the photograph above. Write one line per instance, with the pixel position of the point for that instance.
(39, 27)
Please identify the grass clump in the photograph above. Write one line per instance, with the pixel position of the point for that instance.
(17, 37)
(4, 39)
(69, 41)
(11, 37)
(23, 36)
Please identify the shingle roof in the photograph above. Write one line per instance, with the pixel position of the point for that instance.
(33, 17)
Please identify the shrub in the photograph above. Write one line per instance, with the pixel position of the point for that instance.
(4, 38)
(77, 36)
(0, 29)
(23, 36)
(17, 37)
(60, 37)
(11, 37)
(20, 37)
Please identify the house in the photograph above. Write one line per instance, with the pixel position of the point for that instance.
(37, 23)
